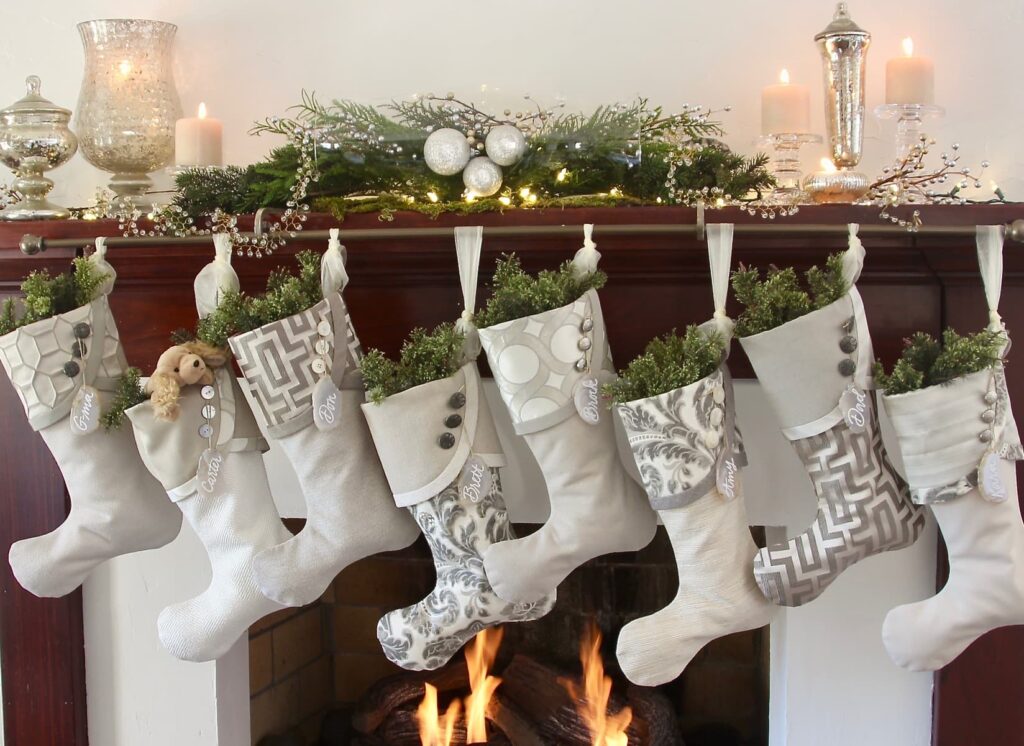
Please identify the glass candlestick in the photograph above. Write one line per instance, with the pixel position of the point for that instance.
(786, 164)
(909, 120)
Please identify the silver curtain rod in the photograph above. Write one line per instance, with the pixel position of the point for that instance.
(32, 244)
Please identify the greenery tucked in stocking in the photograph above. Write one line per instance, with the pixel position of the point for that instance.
(425, 356)
(47, 296)
(129, 393)
(669, 362)
(515, 293)
(925, 362)
(779, 297)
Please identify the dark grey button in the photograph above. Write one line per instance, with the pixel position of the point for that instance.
(82, 330)
(848, 324)
(446, 441)
(71, 369)
(453, 420)
(848, 344)
(76, 349)
(457, 401)
(847, 367)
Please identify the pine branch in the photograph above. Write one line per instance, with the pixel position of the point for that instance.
(668, 363)
(425, 356)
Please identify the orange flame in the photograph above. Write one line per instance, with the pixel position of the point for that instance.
(592, 702)
(480, 656)
(436, 731)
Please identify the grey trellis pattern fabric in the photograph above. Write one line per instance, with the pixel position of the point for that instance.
(34, 358)
(276, 361)
(863, 509)
(676, 438)
(426, 635)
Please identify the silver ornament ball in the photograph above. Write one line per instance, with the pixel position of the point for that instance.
(446, 151)
(482, 177)
(506, 145)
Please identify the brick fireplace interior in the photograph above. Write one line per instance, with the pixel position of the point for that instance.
(310, 667)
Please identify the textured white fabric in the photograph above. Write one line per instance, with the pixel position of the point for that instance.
(717, 594)
(333, 275)
(586, 258)
(720, 260)
(234, 524)
(468, 246)
(853, 257)
(989, 239)
(985, 590)
(216, 278)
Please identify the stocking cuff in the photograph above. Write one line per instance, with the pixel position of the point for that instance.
(425, 435)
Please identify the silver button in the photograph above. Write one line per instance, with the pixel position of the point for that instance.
(990, 397)
(581, 364)
(988, 416)
(207, 392)
(848, 344)
(324, 328)
(587, 325)
(584, 343)
(322, 347)
(847, 367)
(206, 431)
(985, 436)
(209, 411)
(319, 366)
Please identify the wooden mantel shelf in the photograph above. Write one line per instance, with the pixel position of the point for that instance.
(910, 282)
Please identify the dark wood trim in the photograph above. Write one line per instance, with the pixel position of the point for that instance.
(910, 282)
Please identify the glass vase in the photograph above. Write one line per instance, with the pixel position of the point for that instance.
(128, 104)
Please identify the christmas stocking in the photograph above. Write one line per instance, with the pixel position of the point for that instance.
(959, 441)
(441, 454)
(684, 446)
(549, 368)
(64, 370)
(815, 371)
(302, 374)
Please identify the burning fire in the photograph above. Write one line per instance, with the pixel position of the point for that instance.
(436, 731)
(592, 702)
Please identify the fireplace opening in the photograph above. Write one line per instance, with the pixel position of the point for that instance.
(319, 678)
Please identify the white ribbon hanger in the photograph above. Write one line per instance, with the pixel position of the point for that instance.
(216, 278)
(585, 261)
(333, 275)
(468, 247)
(990, 262)
(720, 260)
(853, 257)
(99, 259)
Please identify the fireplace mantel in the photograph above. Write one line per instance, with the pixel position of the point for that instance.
(910, 282)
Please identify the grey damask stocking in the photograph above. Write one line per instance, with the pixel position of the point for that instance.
(458, 529)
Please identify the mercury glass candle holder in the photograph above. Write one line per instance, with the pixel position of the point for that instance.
(909, 121)
(786, 164)
(128, 104)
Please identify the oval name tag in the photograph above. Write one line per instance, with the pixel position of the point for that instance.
(728, 478)
(475, 480)
(210, 474)
(856, 409)
(85, 411)
(326, 404)
(587, 397)
(990, 481)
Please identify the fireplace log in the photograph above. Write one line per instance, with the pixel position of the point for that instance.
(516, 727)
(404, 689)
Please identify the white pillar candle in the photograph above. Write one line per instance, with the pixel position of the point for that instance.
(785, 107)
(909, 79)
(198, 140)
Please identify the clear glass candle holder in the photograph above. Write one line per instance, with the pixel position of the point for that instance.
(128, 103)
(909, 123)
(785, 147)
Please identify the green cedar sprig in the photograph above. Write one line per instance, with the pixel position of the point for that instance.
(515, 293)
(287, 293)
(779, 297)
(129, 393)
(668, 363)
(425, 356)
(46, 296)
(925, 362)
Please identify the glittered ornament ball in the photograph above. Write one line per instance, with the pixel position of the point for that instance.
(446, 151)
(482, 177)
(505, 145)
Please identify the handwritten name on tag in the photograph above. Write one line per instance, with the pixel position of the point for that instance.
(475, 480)
(856, 409)
(990, 481)
(728, 481)
(85, 411)
(326, 404)
(210, 474)
(587, 397)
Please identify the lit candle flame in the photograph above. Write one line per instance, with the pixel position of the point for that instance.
(908, 47)
(828, 166)
(125, 68)
(201, 113)
(784, 76)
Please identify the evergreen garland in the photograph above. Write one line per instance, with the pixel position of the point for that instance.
(925, 362)
(425, 356)
(668, 363)
(779, 297)
(129, 393)
(46, 296)
(515, 293)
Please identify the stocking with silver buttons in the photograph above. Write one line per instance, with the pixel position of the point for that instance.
(65, 370)
(441, 454)
(816, 373)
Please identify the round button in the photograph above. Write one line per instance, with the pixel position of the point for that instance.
(457, 400)
(584, 343)
(206, 431)
(847, 367)
(716, 417)
(718, 394)
(581, 364)
(207, 392)
(76, 349)
(453, 420)
(209, 411)
(712, 439)
(319, 366)
(587, 325)
(990, 397)
(324, 328)
(322, 347)
(985, 436)
(446, 441)
(82, 330)
(988, 416)
(848, 344)
(71, 369)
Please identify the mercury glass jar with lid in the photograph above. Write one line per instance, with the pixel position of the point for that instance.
(128, 104)
(34, 138)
